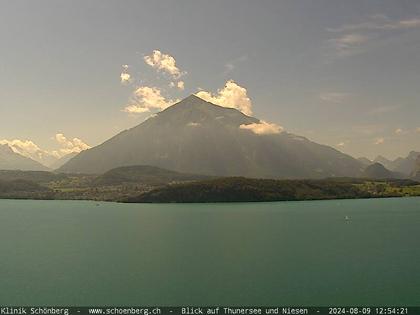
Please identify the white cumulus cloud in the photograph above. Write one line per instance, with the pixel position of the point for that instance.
(348, 44)
(146, 98)
(231, 95)
(68, 146)
(163, 62)
(263, 128)
(181, 85)
(125, 76)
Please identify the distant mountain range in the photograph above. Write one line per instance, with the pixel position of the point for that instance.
(195, 136)
(198, 137)
(365, 161)
(63, 160)
(416, 173)
(402, 165)
(378, 171)
(9, 160)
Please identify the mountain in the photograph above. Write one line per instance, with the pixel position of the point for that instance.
(143, 174)
(365, 161)
(63, 160)
(9, 160)
(384, 161)
(194, 136)
(378, 171)
(401, 165)
(406, 165)
(416, 172)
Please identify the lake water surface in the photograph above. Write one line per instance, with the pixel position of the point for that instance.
(280, 253)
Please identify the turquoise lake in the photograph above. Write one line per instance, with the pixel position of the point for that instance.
(280, 253)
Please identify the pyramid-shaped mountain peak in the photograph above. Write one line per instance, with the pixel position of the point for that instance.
(198, 137)
(196, 102)
(193, 110)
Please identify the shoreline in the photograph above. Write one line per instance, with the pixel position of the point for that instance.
(211, 202)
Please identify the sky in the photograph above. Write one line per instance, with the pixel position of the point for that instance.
(341, 73)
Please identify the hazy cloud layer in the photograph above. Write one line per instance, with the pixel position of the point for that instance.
(404, 132)
(231, 95)
(379, 22)
(352, 37)
(231, 65)
(348, 44)
(333, 97)
(384, 109)
(379, 141)
(263, 128)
